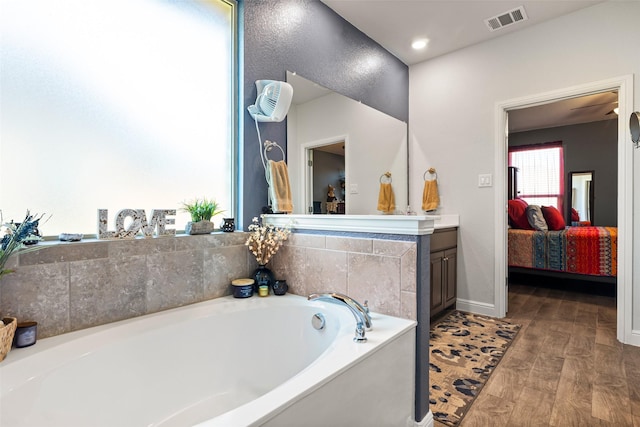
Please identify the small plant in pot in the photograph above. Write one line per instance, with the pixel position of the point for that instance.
(201, 211)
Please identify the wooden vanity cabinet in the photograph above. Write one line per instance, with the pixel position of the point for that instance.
(444, 243)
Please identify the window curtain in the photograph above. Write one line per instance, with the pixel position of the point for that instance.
(541, 173)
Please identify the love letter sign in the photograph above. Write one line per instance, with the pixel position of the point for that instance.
(138, 223)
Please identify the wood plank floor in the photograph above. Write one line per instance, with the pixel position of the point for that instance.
(565, 367)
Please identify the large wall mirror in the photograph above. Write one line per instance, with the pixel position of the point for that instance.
(353, 145)
(582, 185)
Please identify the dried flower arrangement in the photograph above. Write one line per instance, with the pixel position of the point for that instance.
(265, 240)
(16, 236)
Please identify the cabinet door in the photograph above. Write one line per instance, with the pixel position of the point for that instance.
(449, 285)
(437, 273)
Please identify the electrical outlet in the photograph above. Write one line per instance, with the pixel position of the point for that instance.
(353, 188)
(485, 180)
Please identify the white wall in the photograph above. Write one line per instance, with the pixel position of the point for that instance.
(375, 143)
(452, 100)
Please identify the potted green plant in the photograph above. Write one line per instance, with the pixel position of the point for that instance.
(201, 211)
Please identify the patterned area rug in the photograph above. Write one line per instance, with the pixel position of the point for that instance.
(464, 351)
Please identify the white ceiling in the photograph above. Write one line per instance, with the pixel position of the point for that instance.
(455, 24)
(448, 24)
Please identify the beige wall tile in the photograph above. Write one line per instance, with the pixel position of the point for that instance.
(132, 247)
(307, 240)
(408, 307)
(408, 270)
(376, 279)
(64, 252)
(221, 266)
(350, 244)
(39, 293)
(391, 247)
(102, 292)
(325, 271)
(290, 264)
(175, 279)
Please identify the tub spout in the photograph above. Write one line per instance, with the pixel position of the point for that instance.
(363, 320)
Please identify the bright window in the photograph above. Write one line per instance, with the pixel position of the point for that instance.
(541, 171)
(114, 105)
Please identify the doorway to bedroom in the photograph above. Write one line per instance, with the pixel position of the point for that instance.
(518, 119)
(562, 179)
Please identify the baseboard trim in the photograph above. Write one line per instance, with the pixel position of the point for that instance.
(427, 421)
(634, 339)
(476, 307)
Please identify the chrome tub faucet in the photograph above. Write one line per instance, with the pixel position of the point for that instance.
(361, 314)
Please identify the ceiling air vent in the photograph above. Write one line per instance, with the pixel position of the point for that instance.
(505, 19)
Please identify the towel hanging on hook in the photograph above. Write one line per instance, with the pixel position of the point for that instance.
(277, 176)
(386, 198)
(430, 196)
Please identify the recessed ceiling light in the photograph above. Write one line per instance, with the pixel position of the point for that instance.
(419, 44)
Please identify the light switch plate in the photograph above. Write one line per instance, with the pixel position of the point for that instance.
(485, 180)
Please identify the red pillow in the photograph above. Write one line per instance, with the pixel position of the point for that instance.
(555, 220)
(575, 216)
(518, 215)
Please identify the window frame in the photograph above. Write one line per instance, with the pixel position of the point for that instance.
(233, 73)
(560, 197)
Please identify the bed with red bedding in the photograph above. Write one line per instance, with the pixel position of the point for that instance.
(590, 252)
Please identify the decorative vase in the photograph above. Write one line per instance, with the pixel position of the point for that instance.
(7, 330)
(280, 287)
(262, 276)
(228, 225)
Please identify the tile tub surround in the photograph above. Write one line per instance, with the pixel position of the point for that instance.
(71, 286)
(379, 270)
(76, 285)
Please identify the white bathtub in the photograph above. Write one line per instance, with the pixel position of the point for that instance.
(226, 362)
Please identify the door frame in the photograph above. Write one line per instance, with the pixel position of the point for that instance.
(305, 149)
(624, 86)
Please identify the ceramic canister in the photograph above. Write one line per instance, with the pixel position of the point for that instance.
(25, 334)
(242, 288)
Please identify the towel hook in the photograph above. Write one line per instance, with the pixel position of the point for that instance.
(431, 171)
(385, 178)
(268, 146)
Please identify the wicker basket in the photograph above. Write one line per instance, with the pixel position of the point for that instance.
(7, 329)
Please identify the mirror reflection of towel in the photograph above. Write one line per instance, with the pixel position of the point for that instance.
(279, 188)
(430, 197)
(386, 199)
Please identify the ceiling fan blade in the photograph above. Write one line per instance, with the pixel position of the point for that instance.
(595, 105)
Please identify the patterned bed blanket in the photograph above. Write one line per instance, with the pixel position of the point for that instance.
(583, 250)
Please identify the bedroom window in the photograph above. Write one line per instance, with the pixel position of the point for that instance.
(541, 173)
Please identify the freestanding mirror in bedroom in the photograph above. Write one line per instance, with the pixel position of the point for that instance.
(582, 185)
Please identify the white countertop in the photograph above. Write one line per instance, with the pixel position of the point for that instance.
(445, 220)
(416, 225)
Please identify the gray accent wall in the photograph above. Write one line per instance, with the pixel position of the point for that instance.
(307, 37)
(588, 146)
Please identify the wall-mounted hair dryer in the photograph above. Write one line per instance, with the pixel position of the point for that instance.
(273, 101)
